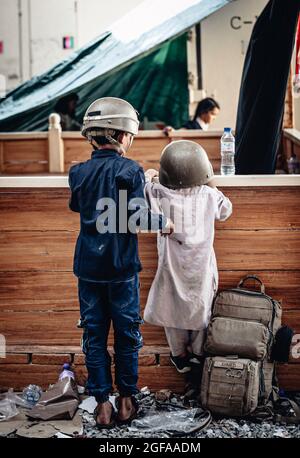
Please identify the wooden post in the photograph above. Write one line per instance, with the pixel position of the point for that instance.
(289, 116)
(56, 145)
(1, 156)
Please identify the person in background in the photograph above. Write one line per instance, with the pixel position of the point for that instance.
(66, 108)
(206, 112)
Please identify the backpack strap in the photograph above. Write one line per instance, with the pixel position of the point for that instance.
(295, 419)
(253, 277)
(270, 412)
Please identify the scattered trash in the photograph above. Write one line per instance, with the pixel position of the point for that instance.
(10, 426)
(69, 427)
(80, 389)
(83, 423)
(66, 372)
(62, 436)
(31, 394)
(37, 430)
(89, 404)
(279, 433)
(24, 427)
(179, 421)
(59, 402)
(8, 408)
(145, 390)
(163, 395)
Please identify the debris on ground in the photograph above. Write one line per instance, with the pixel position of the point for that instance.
(59, 402)
(163, 395)
(161, 408)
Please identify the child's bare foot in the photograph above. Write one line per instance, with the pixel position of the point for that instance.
(104, 414)
(127, 409)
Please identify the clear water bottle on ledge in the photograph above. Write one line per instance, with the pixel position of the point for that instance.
(227, 152)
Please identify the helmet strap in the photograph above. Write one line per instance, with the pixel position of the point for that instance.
(111, 141)
(115, 142)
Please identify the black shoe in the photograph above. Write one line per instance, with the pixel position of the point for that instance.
(182, 364)
(195, 359)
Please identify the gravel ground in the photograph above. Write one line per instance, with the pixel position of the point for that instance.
(221, 428)
(165, 406)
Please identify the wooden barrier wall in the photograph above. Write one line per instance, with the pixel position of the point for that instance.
(29, 153)
(290, 145)
(36, 153)
(38, 292)
(147, 147)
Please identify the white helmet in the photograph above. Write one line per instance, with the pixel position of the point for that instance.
(110, 113)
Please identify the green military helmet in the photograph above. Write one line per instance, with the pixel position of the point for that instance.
(184, 164)
(110, 113)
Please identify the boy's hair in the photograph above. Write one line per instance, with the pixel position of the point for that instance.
(104, 136)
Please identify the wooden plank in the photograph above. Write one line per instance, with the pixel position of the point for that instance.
(235, 250)
(59, 328)
(155, 377)
(241, 250)
(16, 358)
(145, 149)
(17, 136)
(21, 375)
(47, 209)
(37, 209)
(37, 250)
(1, 157)
(18, 376)
(76, 350)
(50, 358)
(76, 150)
(57, 291)
(25, 156)
(289, 376)
(38, 291)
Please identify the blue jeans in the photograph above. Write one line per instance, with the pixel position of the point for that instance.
(101, 303)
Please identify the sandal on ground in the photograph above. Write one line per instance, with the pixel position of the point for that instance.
(109, 425)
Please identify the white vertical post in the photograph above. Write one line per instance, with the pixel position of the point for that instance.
(56, 145)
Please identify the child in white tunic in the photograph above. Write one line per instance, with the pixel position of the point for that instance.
(182, 293)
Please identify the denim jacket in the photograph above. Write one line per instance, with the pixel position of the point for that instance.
(111, 255)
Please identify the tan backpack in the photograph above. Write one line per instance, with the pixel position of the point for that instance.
(239, 375)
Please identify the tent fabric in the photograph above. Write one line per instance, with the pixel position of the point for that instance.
(263, 87)
(114, 56)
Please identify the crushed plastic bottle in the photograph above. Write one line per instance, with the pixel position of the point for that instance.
(32, 393)
(8, 408)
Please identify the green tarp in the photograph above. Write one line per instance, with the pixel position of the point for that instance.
(142, 59)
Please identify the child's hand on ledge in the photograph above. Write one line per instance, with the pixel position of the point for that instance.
(169, 228)
(150, 174)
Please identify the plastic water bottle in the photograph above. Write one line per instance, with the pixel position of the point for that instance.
(293, 164)
(66, 372)
(32, 394)
(227, 152)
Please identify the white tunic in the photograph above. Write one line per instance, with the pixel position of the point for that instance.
(186, 280)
